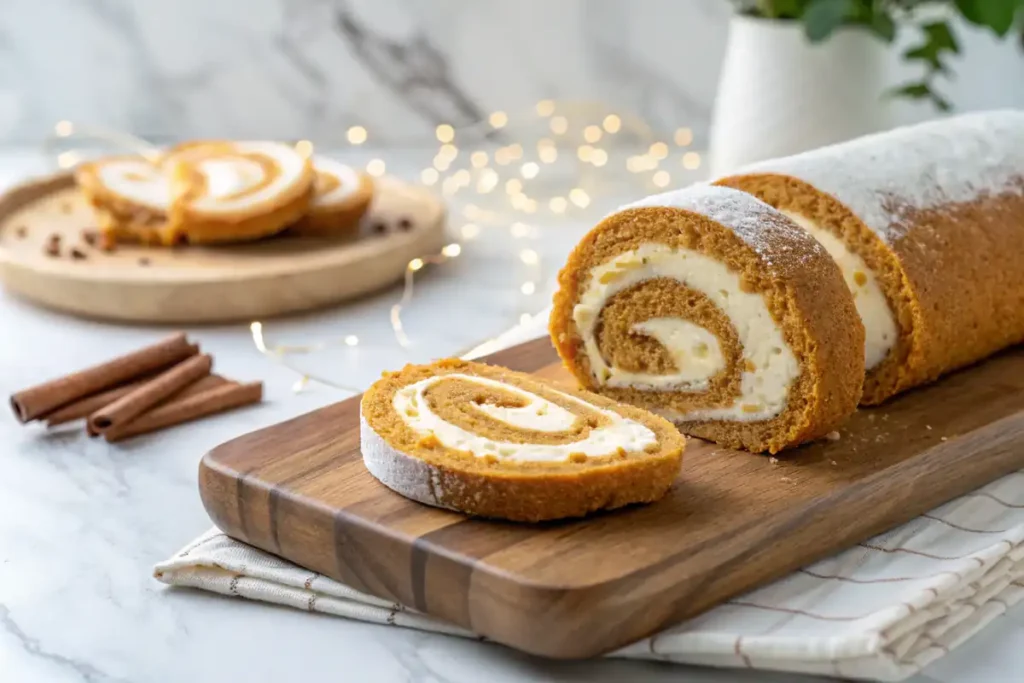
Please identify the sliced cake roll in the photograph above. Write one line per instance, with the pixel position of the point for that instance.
(342, 195)
(236, 191)
(130, 195)
(926, 223)
(496, 443)
(710, 308)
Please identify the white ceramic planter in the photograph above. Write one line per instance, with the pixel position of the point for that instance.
(780, 95)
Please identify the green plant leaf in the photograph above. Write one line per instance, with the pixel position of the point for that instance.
(921, 91)
(939, 39)
(822, 17)
(997, 15)
(883, 26)
(780, 9)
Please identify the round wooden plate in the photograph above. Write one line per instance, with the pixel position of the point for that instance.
(204, 284)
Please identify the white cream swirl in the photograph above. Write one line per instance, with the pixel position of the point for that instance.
(767, 365)
(537, 413)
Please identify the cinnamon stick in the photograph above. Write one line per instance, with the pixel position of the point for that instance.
(141, 399)
(179, 410)
(84, 407)
(37, 401)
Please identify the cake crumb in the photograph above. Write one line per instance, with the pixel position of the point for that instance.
(773, 460)
(21, 232)
(577, 457)
(77, 254)
(928, 427)
(428, 441)
(832, 461)
(90, 236)
(943, 439)
(787, 480)
(833, 436)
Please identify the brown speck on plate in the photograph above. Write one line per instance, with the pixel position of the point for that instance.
(66, 207)
(90, 236)
(52, 246)
(405, 223)
(380, 227)
(144, 261)
(21, 232)
(77, 254)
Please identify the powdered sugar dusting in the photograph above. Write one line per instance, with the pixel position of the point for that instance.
(773, 236)
(879, 177)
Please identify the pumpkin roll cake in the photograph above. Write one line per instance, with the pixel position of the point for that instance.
(131, 197)
(341, 197)
(491, 442)
(710, 308)
(926, 224)
(236, 191)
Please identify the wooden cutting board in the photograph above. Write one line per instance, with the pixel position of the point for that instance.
(733, 521)
(195, 284)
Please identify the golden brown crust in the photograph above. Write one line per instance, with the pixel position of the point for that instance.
(954, 278)
(525, 490)
(802, 288)
(338, 220)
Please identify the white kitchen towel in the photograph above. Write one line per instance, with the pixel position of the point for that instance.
(881, 610)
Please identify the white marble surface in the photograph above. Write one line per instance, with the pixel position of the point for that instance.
(311, 68)
(82, 523)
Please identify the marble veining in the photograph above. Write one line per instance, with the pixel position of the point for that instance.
(312, 68)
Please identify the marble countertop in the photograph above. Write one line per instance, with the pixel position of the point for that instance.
(82, 523)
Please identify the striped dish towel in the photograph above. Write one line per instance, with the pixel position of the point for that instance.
(881, 610)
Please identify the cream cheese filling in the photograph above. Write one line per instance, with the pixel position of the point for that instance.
(230, 178)
(767, 365)
(538, 414)
(348, 181)
(138, 181)
(880, 333)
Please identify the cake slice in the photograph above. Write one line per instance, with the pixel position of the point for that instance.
(342, 195)
(491, 442)
(710, 308)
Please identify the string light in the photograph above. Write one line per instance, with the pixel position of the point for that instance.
(502, 156)
(661, 178)
(658, 150)
(478, 159)
(599, 157)
(304, 148)
(351, 340)
(441, 163)
(547, 155)
(470, 231)
(529, 257)
(63, 129)
(528, 288)
(612, 123)
(529, 170)
(545, 108)
(592, 133)
(584, 152)
(488, 181)
(513, 186)
(559, 124)
(578, 197)
(683, 137)
(376, 167)
(452, 250)
(691, 161)
(356, 135)
(449, 186)
(498, 119)
(444, 133)
(429, 176)
(415, 264)
(68, 159)
(519, 230)
(558, 204)
(462, 177)
(448, 151)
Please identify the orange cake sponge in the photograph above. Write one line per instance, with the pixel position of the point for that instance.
(926, 223)
(491, 442)
(712, 309)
